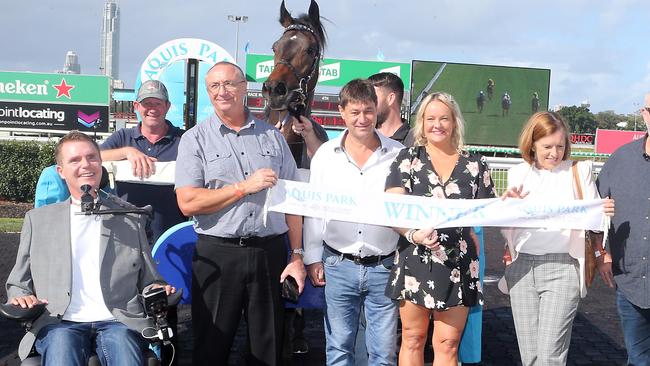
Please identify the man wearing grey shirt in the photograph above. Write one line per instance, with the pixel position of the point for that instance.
(625, 178)
(223, 168)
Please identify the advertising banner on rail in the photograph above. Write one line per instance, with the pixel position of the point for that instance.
(607, 141)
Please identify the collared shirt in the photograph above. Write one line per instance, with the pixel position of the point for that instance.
(162, 198)
(401, 133)
(625, 177)
(164, 149)
(542, 184)
(211, 155)
(332, 167)
(86, 298)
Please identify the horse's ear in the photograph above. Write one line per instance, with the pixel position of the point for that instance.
(314, 12)
(285, 17)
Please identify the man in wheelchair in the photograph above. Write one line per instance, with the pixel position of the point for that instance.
(88, 268)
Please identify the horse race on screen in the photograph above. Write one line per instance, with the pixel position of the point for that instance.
(495, 100)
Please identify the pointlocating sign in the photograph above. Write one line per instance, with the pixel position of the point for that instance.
(607, 141)
(38, 102)
(332, 72)
(53, 117)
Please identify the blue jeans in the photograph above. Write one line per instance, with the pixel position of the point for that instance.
(348, 286)
(635, 322)
(71, 343)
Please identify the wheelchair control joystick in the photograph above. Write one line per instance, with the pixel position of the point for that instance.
(155, 305)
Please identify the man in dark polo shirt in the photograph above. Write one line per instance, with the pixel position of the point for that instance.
(625, 177)
(154, 139)
(390, 92)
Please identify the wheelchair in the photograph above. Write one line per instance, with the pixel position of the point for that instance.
(27, 315)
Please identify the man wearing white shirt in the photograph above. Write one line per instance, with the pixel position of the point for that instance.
(353, 260)
(89, 271)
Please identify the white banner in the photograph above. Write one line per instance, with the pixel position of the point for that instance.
(122, 171)
(418, 212)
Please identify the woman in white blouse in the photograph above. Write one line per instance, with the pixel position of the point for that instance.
(545, 268)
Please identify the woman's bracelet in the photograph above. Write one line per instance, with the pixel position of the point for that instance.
(409, 235)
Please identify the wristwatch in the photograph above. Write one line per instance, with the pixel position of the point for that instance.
(299, 251)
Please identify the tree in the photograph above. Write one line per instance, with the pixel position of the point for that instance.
(579, 119)
(608, 119)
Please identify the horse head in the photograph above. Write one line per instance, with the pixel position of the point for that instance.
(290, 87)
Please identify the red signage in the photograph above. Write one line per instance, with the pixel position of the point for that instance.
(582, 138)
(607, 141)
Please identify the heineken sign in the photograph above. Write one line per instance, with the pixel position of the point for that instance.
(54, 88)
(332, 72)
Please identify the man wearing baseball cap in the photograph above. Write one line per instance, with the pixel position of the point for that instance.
(153, 139)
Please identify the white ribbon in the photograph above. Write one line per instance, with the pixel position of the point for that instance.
(418, 212)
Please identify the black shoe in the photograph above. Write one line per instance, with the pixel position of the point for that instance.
(300, 346)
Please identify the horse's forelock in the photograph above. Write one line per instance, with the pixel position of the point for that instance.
(315, 25)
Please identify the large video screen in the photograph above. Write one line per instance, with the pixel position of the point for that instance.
(495, 101)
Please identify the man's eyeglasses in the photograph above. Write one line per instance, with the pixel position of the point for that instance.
(228, 85)
(647, 109)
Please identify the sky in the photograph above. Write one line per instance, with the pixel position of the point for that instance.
(598, 51)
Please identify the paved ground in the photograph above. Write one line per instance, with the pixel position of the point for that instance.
(597, 338)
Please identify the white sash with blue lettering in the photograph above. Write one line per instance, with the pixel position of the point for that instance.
(406, 211)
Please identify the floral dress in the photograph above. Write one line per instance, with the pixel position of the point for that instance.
(448, 276)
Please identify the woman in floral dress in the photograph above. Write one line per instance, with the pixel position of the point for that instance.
(437, 271)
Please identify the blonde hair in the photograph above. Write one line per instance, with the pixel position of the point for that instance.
(540, 125)
(459, 124)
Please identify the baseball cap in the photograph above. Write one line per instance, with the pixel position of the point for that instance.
(152, 89)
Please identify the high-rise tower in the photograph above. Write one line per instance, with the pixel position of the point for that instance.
(71, 65)
(110, 41)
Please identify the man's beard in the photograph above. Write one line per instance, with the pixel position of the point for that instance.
(382, 115)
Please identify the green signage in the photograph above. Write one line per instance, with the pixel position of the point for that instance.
(332, 72)
(54, 88)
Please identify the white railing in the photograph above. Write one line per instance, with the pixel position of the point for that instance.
(499, 170)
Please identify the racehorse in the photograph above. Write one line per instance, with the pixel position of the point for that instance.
(480, 101)
(289, 90)
(490, 89)
(534, 103)
(505, 104)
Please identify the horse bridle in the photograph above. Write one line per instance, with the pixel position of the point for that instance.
(303, 81)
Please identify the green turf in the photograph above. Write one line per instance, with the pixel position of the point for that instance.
(10, 225)
(464, 81)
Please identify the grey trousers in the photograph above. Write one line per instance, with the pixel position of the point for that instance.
(544, 295)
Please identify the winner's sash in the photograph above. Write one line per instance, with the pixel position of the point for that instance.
(407, 211)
